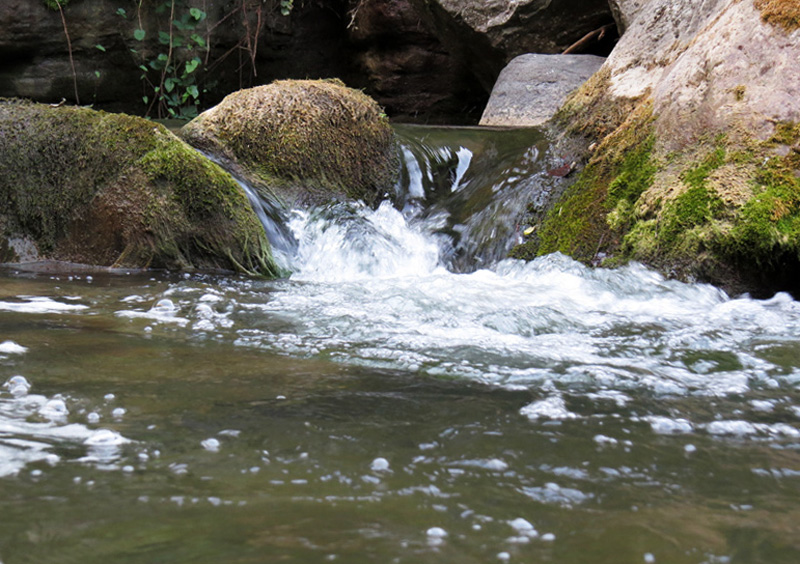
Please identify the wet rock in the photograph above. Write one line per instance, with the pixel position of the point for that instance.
(112, 190)
(695, 121)
(305, 141)
(406, 68)
(533, 87)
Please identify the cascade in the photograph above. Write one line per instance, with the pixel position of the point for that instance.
(465, 188)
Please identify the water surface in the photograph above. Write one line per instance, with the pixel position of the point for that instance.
(384, 405)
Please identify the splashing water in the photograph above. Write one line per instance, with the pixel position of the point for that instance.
(404, 396)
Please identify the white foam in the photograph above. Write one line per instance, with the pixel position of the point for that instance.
(10, 347)
(668, 426)
(38, 304)
(523, 527)
(553, 407)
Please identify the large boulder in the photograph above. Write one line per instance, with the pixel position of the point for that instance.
(306, 141)
(532, 88)
(83, 186)
(487, 34)
(695, 119)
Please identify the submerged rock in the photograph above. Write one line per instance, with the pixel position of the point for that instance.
(307, 141)
(695, 120)
(532, 88)
(113, 190)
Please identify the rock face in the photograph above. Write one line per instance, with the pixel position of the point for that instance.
(306, 141)
(533, 87)
(489, 33)
(403, 65)
(111, 190)
(695, 115)
(423, 60)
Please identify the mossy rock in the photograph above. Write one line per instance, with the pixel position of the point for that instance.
(308, 141)
(113, 190)
(695, 168)
(725, 211)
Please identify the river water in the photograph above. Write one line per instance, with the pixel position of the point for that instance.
(404, 396)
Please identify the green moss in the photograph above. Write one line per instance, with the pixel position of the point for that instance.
(636, 174)
(621, 170)
(110, 189)
(694, 207)
(696, 176)
(786, 133)
(768, 225)
(315, 137)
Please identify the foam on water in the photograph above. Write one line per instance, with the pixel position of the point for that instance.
(369, 288)
(32, 425)
(39, 304)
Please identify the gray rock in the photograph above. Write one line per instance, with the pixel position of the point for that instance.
(487, 34)
(532, 87)
(625, 11)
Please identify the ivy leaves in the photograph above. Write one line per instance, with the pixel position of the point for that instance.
(170, 74)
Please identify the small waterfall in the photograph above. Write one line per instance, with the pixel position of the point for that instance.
(471, 187)
(466, 189)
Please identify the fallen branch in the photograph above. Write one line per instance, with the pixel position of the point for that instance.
(595, 35)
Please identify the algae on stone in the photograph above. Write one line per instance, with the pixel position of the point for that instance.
(116, 190)
(785, 13)
(309, 141)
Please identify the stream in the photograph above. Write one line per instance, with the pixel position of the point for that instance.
(405, 396)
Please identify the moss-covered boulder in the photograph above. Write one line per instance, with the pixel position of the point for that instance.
(695, 167)
(113, 190)
(308, 141)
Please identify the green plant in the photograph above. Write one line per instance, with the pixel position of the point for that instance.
(170, 71)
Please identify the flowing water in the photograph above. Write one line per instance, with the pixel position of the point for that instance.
(402, 397)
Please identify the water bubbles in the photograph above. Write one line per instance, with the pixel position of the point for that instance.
(379, 465)
(104, 438)
(211, 444)
(669, 426)
(436, 536)
(164, 306)
(55, 410)
(553, 407)
(649, 558)
(603, 440)
(118, 412)
(93, 418)
(104, 447)
(18, 386)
